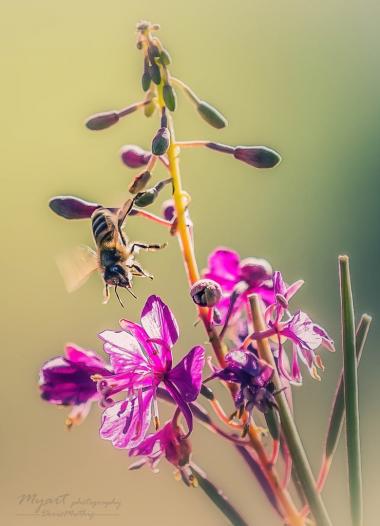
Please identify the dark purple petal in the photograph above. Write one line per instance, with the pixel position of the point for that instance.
(158, 321)
(183, 406)
(187, 375)
(134, 157)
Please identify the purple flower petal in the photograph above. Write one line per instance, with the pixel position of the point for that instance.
(158, 321)
(76, 354)
(126, 423)
(125, 352)
(187, 375)
(183, 406)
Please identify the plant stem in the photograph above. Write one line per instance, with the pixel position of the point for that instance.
(351, 392)
(293, 440)
(292, 515)
(218, 498)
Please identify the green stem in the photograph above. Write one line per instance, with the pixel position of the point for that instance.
(351, 392)
(337, 412)
(293, 440)
(218, 498)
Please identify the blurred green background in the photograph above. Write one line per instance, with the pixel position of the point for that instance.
(301, 77)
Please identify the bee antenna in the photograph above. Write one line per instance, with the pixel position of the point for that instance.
(131, 293)
(118, 297)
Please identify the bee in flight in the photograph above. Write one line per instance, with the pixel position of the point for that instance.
(115, 254)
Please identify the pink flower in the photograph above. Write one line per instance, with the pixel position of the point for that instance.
(299, 329)
(238, 279)
(169, 441)
(67, 380)
(141, 358)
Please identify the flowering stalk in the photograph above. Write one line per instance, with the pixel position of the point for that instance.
(293, 440)
(191, 266)
(351, 392)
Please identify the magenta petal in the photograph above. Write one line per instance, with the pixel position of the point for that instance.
(155, 352)
(224, 263)
(158, 321)
(183, 406)
(148, 445)
(187, 375)
(278, 283)
(126, 424)
(125, 353)
(76, 354)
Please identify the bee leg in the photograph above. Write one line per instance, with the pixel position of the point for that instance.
(106, 294)
(138, 271)
(147, 246)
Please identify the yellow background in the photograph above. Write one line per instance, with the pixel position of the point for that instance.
(302, 77)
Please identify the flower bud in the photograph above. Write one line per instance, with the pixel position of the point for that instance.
(146, 198)
(211, 115)
(155, 74)
(71, 207)
(257, 156)
(149, 108)
(168, 210)
(254, 271)
(165, 58)
(139, 182)
(206, 292)
(134, 157)
(169, 97)
(161, 142)
(101, 121)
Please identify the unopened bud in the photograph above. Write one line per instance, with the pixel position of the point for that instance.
(257, 156)
(145, 79)
(169, 97)
(134, 157)
(211, 115)
(146, 198)
(71, 207)
(139, 182)
(168, 210)
(254, 271)
(149, 108)
(101, 121)
(161, 142)
(165, 58)
(206, 292)
(155, 74)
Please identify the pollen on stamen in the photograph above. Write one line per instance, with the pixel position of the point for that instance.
(96, 377)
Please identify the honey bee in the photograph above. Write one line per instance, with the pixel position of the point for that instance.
(114, 256)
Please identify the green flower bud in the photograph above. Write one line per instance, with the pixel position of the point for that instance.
(211, 115)
(161, 142)
(145, 81)
(165, 58)
(146, 198)
(206, 292)
(169, 97)
(139, 182)
(149, 108)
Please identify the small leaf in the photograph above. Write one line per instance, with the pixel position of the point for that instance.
(169, 97)
(211, 115)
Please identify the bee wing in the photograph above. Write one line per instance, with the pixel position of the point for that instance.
(124, 211)
(76, 266)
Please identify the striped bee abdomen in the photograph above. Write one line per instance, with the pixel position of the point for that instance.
(103, 227)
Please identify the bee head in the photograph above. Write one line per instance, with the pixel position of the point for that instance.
(117, 276)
